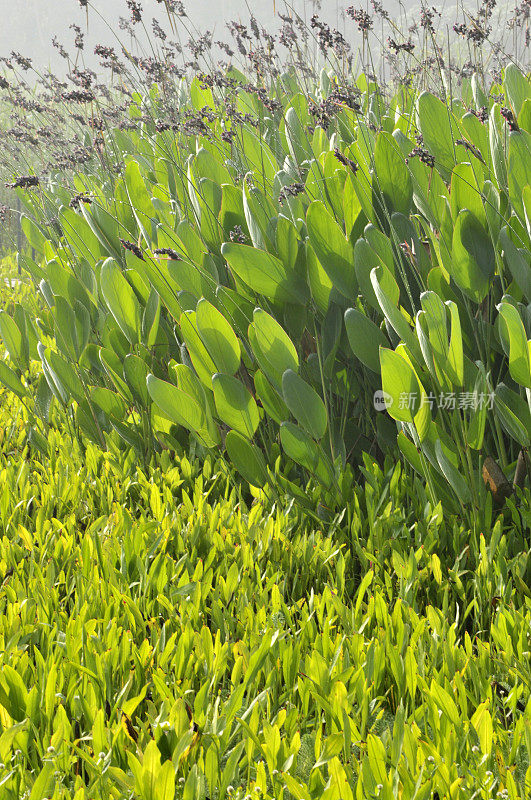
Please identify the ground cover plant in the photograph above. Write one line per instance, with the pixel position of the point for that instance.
(245, 263)
(161, 638)
(264, 460)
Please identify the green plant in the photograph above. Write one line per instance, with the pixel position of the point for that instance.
(160, 638)
(380, 270)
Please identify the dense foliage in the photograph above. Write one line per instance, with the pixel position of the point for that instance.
(160, 639)
(254, 277)
(264, 472)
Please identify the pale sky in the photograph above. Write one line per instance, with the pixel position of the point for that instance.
(29, 25)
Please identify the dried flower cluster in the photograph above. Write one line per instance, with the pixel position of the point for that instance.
(329, 38)
(361, 17)
(236, 234)
(508, 116)
(24, 182)
(290, 190)
(396, 47)
(347, 162)
(173, 255)
(423, 155)
(79, 198)
(133, 248)
(136, 11)
(470, 147)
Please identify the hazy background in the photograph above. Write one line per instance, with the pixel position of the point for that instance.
(27, 26)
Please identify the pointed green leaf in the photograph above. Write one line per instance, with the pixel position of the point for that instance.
(15, 342)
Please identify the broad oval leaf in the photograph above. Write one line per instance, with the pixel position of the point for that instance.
(519, 262)
(121, 300)
(517, 87)
(273, 404)
(274, 343)
(400, 386)
(235, 404)
(176, 404)
(331, 247)
(218, 338)
(15, 342)
(199, 355)
(299, 446)
(304, 403)
(519, 169)
(513, 413)
(473, 261)
(394, 178)
(365, 338)
(439, 131)
(265, 274)
(452, 474)
(135, 373)
(11, 381)
(109, 402)
(515, 344)
(247, 459)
